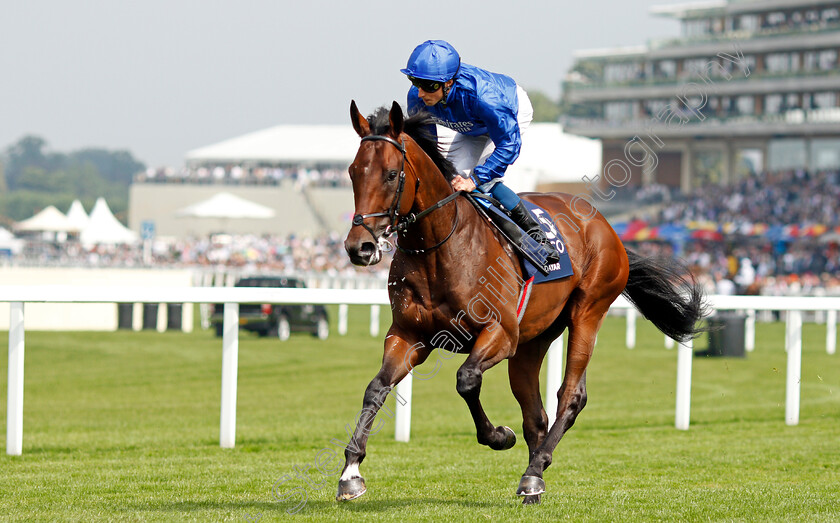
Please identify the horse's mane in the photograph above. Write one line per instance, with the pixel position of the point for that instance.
(417, 127)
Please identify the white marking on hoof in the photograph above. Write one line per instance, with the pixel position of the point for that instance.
(352, 471)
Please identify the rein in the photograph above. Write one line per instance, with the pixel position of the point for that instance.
(401, 224)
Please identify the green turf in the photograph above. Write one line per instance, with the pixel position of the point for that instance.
(125, 427)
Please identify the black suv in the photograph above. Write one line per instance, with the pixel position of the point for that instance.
(278, 320)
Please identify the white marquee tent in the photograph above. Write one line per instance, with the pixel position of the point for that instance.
(104, 228)
(8, 242)
(48, 220)
(77, 215)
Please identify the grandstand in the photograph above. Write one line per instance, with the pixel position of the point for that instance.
(747, 82)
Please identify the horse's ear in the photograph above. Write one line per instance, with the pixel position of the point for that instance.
(396, 119)
(361, 125)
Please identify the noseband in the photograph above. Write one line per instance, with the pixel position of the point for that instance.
(400, 224)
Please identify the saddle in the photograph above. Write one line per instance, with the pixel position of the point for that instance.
(531, 254)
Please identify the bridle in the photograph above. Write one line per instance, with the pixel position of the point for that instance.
(400, 224)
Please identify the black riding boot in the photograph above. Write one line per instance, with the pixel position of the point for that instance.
(526, 221)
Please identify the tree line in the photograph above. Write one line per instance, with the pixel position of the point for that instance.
(32, 178)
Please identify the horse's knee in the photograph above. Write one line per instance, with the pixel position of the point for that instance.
(535, 428)
(570, 408)
(376, 392)
(468, 380)
(574, 402)
(537, 424)
(583, 397)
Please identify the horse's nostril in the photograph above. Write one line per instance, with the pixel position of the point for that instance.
(367, 249)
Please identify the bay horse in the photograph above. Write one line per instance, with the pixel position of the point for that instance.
(455, 284)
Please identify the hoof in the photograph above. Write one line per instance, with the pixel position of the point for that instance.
(350, 489)
(510, 438)
(532, 500)
(531, 486)
(509, 442)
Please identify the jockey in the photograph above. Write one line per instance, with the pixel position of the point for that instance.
(488, 113)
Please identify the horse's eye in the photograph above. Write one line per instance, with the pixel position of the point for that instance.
(392, 175)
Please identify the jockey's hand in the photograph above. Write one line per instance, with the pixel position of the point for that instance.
(463, 184)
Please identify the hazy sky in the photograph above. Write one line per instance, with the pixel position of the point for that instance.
(161, 77)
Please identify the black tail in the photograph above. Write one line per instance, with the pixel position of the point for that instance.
(666, 293)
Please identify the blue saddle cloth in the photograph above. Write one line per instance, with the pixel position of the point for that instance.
(561, 269)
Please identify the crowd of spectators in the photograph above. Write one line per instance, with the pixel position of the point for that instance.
(725, 268)
(785, 198)
(235, 174)
(740, 263)
(755, 264)
(242, 253)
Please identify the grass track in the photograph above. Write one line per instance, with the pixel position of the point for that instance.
(125, 426)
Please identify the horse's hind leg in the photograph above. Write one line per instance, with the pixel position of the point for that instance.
(571, 397)
(524, 373)
(469, 379)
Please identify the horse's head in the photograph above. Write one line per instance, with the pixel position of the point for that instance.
(380, 189)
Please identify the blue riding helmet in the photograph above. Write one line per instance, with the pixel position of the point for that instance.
(433, 60)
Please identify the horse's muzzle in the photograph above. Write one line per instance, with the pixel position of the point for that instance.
(363, 253)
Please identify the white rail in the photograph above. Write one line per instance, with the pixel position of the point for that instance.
(793, 305)
(232, 296)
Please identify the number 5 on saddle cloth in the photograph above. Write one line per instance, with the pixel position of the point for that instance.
(531, 253)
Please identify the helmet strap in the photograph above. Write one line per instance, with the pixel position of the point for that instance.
(446, 90)
(446, 87)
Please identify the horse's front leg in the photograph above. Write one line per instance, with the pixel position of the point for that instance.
(401, 355)
(490, 348)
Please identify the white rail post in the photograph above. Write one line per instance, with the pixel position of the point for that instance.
(230, 364)
(137, 317)
(402, 430)
(749, 331)
(554, 378)
(374, 320)
(794, 366)
(669, 342)
(14, 405)
(342, 319)
(831, 332)
(162, 316)
(630, 335)
(187, 310)
(683, 411)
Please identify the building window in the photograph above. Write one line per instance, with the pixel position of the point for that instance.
(827, 59)
(809, 60)
(667, 69)
(694, 66)
(746, 104)
(695, 28)
(774, 19)
(824, 100)
(653, 107)
(773, 104)
(748, 23)
(618, 111)
(622, 72)
(781, 62)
